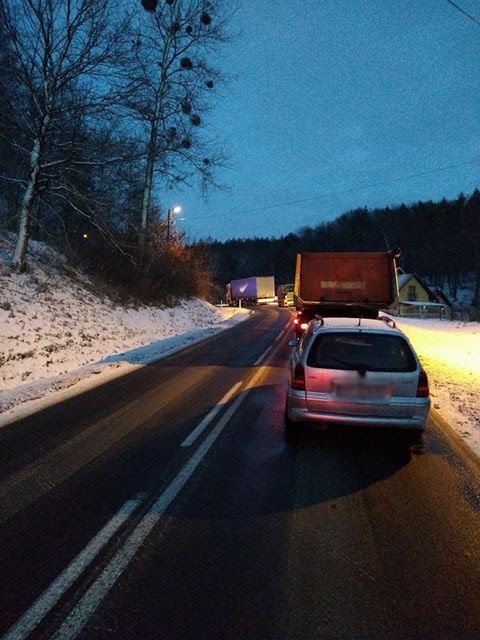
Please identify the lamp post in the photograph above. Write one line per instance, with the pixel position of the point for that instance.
(176, 209)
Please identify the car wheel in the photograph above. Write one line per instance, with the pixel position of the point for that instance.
(288, 421)
(291, 428)
(417, 436)
(411, 437)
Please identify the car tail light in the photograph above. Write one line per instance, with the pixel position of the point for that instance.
(295, 321)
(422, 387)
(298, 381)
(304, 325)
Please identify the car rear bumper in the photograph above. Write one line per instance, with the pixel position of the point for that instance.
(298, 412)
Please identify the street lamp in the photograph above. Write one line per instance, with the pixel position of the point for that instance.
(175, 209)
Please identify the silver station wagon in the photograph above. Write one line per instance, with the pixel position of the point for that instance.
(356, 372)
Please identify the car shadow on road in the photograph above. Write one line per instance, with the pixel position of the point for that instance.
(257, 471)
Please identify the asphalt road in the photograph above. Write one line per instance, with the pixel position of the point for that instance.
(112, 529)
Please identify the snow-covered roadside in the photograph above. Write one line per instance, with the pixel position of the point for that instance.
(58, 338)
(450, 352)
(27, 398)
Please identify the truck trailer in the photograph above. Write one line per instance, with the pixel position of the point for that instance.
(251, 290)
(344, 284)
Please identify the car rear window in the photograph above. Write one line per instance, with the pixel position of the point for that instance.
(357, 351)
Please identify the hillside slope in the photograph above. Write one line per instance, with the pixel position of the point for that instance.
(52, 323)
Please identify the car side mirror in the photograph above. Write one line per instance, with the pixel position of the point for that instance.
(293, 343)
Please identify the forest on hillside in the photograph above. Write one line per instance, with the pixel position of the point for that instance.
(104, 107)
(439, 241)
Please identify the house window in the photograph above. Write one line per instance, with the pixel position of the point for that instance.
(412, 292)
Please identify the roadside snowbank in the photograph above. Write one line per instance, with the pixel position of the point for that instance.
(450, 352)
(56, 333)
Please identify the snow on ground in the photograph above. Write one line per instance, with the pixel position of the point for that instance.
(450, 353)
(56, 333)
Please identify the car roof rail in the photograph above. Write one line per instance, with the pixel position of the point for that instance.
(390, 321)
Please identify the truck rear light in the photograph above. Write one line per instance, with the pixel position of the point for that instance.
(422, 387)
(298, 381)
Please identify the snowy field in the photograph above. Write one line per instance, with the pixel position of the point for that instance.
(57, 335)
(57, 338)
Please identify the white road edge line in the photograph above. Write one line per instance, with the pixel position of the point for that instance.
(258, 360)
(210, 416)
(281, 334)
(49, 598)
(79, 615)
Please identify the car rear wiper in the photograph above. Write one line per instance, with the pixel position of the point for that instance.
(354, 366)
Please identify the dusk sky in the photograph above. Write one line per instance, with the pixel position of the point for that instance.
(338, 104)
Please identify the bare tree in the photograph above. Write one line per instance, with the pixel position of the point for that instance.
(62, 54)
(172, 43)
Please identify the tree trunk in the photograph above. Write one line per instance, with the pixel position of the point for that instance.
(24, 223)
(152, 149)
(19, 256)
(147, 189)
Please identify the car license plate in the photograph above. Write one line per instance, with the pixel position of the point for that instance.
(362, 392)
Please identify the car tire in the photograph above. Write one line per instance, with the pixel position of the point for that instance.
(288, 421)
(417, 435)
(411, 437)
(292, 428)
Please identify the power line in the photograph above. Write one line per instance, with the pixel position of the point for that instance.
(463, 11)
(336, 193)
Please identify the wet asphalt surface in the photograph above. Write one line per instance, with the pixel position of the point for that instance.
(343, 534)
